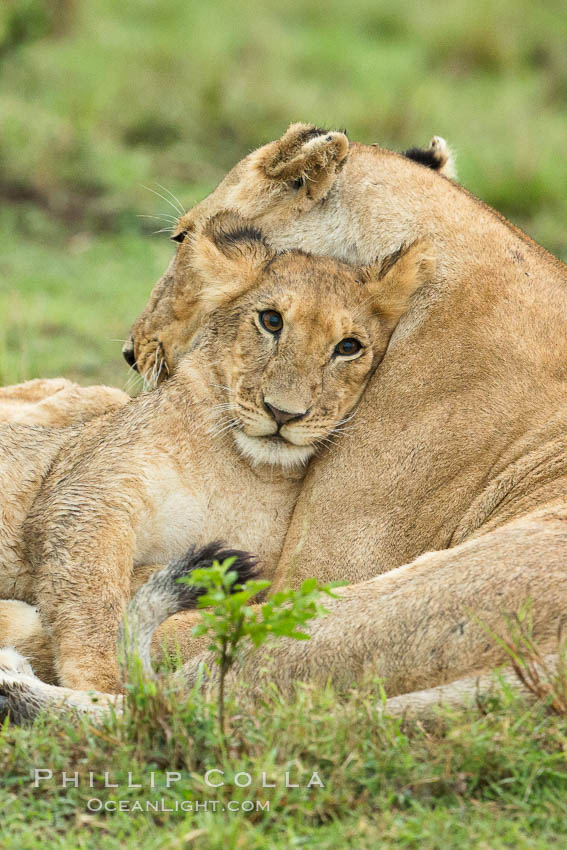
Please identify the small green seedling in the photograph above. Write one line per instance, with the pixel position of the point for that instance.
(229, 620)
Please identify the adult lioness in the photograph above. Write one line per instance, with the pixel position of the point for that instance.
(284, 351)
(460, 442)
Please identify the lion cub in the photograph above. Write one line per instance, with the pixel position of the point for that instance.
(286, 346)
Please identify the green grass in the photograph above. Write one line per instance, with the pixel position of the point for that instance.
(74, 300)
(490, 779)
(116, 94)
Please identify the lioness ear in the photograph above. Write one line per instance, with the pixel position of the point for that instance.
(228, 255)
(306, 157)
(396, 278)
(437, 155)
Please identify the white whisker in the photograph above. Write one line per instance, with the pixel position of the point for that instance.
(228, 427)
(163, 197)
(327, 441)
(219, 420)
(346, 419)
(160, 217)
(219, 423)
(340, 431)
(133, 378)
(176, 199)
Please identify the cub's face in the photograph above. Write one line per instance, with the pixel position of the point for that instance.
(305, 346)
(293, 337)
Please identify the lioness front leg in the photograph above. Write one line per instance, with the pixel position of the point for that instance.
(83, 587)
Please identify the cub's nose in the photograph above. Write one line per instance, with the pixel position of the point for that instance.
(128, 353)
(283, 416)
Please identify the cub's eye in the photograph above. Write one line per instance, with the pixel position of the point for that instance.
(271, 320)
(347, 347)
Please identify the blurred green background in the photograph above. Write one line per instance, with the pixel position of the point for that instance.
(99, 98)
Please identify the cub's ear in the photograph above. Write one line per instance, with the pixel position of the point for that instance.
(306, 157)
(437, 155)
(396, 278)
(228, 255)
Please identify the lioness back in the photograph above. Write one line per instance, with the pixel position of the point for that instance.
(56, 402)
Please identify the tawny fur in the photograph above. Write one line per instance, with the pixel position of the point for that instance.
(459, 441)
(200, 458)
(56, 402)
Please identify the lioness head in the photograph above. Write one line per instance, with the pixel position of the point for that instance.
(292, 338)
(289, 187)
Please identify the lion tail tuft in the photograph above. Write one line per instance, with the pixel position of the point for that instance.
(164, 595)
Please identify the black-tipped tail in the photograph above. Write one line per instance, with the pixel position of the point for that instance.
(245, 565)
(164, 595)
(4, 708)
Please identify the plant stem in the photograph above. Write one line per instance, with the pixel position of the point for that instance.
(223, 669)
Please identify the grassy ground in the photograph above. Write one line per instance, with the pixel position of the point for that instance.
(100, 98)
(491, 779)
